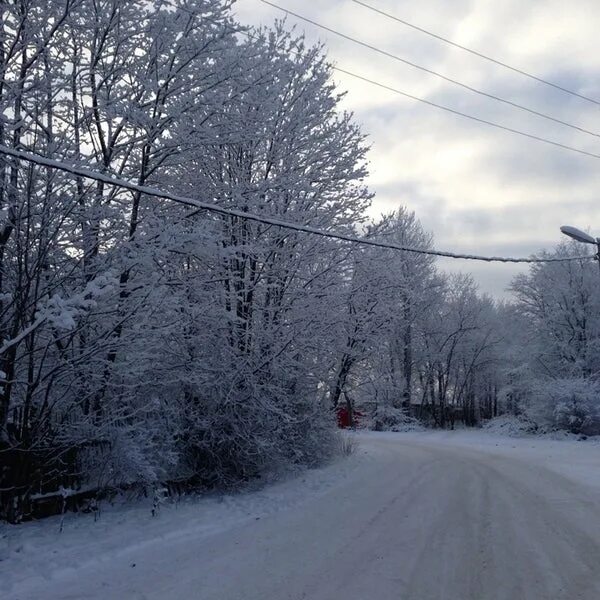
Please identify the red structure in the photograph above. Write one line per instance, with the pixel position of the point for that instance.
(343, 417)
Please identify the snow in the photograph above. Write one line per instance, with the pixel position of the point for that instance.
(510, 426)
(359, 528)
(36, 552)
(577, 460)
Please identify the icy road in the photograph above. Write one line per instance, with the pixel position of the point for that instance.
(451, 516)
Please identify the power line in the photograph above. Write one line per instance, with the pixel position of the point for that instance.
(418, 99)
(476, 53)
(531, 136)
(214, 208)
(431, 71)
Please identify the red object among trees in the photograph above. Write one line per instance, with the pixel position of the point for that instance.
(343, 417)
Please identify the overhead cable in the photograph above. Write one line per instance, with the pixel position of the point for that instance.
(431, 71)
(215, 208)
(477, 53)
(430, 103)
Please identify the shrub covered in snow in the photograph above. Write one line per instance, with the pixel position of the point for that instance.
(570, 404)
(510, 425)
(388, 418)
(225, 443)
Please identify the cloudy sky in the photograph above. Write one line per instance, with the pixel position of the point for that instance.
(477, 189)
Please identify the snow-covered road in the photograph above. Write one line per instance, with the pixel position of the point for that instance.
(452, 516)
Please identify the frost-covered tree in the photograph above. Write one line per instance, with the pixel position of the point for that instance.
(458, 338)
(143, 342)
(561, 302)
(554, 379)
(387, 292)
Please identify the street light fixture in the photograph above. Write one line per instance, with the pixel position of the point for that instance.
(582, 236)
(577, 234)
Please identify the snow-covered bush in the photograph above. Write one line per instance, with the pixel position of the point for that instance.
(347, 443)
(569, 404)
(510, 425)
(388, 418)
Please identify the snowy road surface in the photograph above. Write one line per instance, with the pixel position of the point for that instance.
(452, 516)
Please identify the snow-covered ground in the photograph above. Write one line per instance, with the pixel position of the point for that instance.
(454, 515)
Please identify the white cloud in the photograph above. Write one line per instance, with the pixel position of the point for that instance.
(477, 189)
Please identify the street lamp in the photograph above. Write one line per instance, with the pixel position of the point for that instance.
(582, 236)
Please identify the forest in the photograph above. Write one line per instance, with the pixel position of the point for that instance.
(146, 344)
